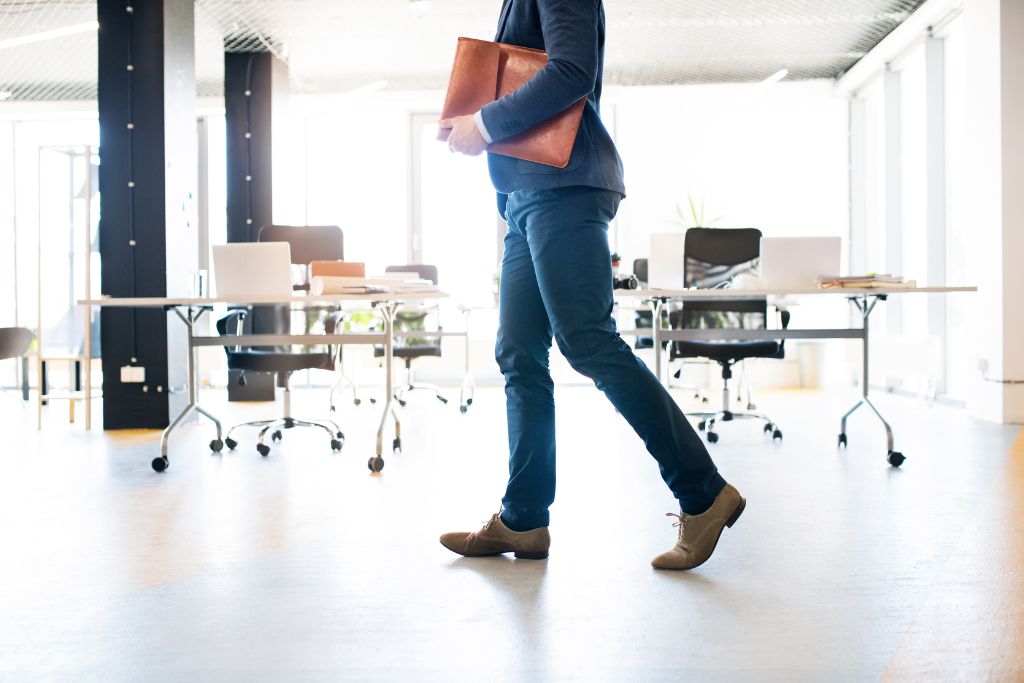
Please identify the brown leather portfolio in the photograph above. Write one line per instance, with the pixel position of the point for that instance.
(484, 72)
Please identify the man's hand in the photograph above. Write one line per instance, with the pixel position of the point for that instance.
(465, 137)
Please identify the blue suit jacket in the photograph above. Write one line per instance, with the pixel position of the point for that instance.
(572, 33)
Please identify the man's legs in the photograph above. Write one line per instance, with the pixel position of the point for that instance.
(524, 339)
(567, 234)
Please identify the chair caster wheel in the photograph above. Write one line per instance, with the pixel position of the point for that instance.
(705, 400)
(276, 436)
(396, 445)
(896, 458)
(712, 437)
(469, 401)
(375, 464)
(842, 440)
(333, 409)
(357, 401)
(401, 402)
(373, 401)
(336, 445)
(263, 449)
(442, 399)
(160, 464)
(702, 425)
(768, 427)
(751, 406)
(230, 443)
(463, 408)
(216, 445)
(777, 434)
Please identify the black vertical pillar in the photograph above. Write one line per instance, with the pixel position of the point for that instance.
(255, 88)
(147, 181)
(255, 85)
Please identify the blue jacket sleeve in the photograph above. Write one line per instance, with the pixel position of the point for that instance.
(570, 29)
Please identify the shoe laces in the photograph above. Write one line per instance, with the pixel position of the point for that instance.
(489, 522)
(681, 523)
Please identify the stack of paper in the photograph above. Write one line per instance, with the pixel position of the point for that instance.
(869, 281)
(392, 282)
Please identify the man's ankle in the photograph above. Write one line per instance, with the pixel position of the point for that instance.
(517, 526)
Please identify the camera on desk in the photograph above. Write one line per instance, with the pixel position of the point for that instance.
(625, 282)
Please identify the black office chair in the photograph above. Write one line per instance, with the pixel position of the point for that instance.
(283, 364)
(408, 348)
(642, 319)
(14, 343)
(713, 258)
(307, 244)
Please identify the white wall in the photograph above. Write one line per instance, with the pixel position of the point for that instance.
(771, 157)
(995, 122)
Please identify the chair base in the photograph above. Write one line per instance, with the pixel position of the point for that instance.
(276, 425)
(411, 385)
(275, 428)
(708, 419)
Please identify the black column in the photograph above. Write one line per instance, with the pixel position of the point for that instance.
(255, 90)
(147, 180)
(255, 86)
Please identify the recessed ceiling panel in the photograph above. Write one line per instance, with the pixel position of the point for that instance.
(339, 45)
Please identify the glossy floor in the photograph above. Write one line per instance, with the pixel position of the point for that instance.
(303, 566)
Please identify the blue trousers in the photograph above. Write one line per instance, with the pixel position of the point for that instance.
(556, 281)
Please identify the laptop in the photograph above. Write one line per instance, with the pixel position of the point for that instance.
(798, 262)
(252, 271)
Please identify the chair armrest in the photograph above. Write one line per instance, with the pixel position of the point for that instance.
(784, 318)
(334, 320)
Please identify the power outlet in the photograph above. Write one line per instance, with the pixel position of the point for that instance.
(133, 374)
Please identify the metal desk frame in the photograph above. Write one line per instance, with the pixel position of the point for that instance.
(864, 300)
(190, 311)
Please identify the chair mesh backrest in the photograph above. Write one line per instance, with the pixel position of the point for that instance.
(640, 269)
(14, 341)
(714, 256)
(308, 242)
(425, 272)
(411, 321)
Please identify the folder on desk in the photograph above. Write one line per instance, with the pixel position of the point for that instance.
(483, 72)
(337, 269)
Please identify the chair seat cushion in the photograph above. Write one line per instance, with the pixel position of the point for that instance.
(409, 351)
(726, 350)
(274, 361)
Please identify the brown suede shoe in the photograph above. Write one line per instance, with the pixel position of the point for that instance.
(699, 534)
(494, 538)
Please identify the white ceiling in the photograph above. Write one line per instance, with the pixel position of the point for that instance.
(338, 45)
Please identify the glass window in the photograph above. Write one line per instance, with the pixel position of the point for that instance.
(958, 356)
(357, 168)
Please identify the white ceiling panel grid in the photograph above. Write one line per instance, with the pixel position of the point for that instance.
(339, 45)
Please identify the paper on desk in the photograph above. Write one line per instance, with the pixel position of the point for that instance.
(321, 285)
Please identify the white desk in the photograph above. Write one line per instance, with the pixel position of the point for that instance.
(190, 310)
(864, 299)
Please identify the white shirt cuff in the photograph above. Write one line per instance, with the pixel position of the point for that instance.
(482, 128)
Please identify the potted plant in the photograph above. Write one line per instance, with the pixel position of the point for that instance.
(694, 215)
(616, 260)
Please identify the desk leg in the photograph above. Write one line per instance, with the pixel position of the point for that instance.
(190, 317)
(866, 304)
(468, 385)
(24, 378)
(656, 308)
(376, 464)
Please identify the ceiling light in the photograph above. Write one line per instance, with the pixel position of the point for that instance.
(419, 6)
(5, 95)
(776, 77)
(87, 27)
